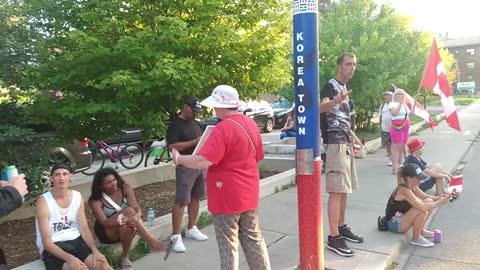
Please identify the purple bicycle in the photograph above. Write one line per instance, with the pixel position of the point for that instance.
(129, 155)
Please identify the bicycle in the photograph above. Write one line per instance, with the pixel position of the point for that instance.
(129, 155)
(157, 155)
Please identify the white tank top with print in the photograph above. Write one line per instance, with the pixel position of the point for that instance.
(63, 222)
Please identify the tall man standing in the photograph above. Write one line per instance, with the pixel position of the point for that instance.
(340, 172)
(183, 134)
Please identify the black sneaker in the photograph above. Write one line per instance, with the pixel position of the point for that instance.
(347, 234)
(338, 245)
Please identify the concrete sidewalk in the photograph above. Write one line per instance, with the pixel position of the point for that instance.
(278, 212)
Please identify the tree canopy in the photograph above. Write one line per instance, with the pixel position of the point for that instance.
(388, 49)
(129, 63)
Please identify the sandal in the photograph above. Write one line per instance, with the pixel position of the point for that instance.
(170, 245)
(126, 264)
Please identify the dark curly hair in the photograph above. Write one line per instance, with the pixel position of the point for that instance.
(98, 180)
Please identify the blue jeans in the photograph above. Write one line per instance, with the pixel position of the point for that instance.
(289, 133)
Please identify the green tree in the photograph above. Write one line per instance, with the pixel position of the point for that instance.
(389, 51)
(129, 63)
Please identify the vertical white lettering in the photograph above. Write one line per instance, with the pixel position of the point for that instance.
(300, 97)
(302, 119)
(300, 71)
(301, 130)
(300, 36)
(300, 82)
(300, 59)
(301, 108)
(300, 48)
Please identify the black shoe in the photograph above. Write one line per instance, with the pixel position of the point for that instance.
(347, 234)
(338, 245)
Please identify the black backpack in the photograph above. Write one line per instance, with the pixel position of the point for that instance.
(382, 224)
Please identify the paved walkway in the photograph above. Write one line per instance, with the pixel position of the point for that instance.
(278, 212)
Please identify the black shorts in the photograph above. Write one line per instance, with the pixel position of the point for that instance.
(101, 234)
(189, 183)
(77, 247)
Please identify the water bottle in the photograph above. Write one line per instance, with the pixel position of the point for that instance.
(437, 236)
(150, 217)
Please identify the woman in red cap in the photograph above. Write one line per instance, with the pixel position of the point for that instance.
(436, 173)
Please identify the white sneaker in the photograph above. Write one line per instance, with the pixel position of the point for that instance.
(195, 233)
(389, 164)
(421, 241)
(178, 246)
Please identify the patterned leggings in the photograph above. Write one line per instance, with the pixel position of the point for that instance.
(244, 227)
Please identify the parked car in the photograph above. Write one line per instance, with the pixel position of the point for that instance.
(76, 154)
(281, 109)
(260, 111)
(129, 135)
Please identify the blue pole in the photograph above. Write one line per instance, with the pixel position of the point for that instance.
(307, 112)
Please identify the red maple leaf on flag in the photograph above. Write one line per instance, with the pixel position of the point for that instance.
(435, 78)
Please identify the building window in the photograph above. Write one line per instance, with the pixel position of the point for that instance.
(471, 65)
(470, 51)
(456, 51)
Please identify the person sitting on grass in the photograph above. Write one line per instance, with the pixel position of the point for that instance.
(64, 240)
(409, 207)
(118, 215)
(436, 173)
(289, 129)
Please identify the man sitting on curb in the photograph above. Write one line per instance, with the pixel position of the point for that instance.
(436, 173)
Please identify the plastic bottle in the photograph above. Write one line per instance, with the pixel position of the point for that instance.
(150, 217)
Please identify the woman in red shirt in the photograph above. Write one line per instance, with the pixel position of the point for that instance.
(231, 153)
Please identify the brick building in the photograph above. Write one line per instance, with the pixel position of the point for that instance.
(467, 54)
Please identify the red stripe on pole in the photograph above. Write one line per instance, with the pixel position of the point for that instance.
(310, 219)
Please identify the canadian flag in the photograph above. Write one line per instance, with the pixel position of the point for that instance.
(435, 78)
(456, 185)
(417, 108)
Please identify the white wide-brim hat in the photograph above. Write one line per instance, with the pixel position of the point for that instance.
(223, 96)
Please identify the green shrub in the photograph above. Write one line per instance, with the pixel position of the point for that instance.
(29, 153)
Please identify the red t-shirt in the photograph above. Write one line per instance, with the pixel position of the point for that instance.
(233, 181)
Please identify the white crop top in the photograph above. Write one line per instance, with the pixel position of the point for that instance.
(63, 222)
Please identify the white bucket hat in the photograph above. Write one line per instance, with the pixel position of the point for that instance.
(223, 96)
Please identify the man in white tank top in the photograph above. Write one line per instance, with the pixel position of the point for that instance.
(63, 238)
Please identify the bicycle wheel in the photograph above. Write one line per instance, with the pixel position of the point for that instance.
(98, 161)
(157, 155)
(131, 156)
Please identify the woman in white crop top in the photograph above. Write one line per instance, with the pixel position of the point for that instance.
(63, 237)
(399, 128)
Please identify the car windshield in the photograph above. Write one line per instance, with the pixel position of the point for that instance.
(281, 104)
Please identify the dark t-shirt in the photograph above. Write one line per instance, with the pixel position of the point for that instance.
(180, 130)
(419, 161)
(335, 124)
